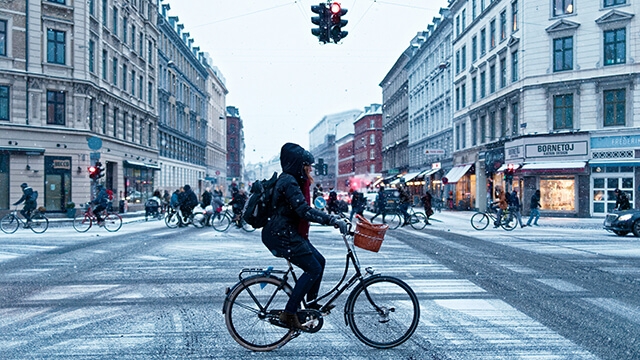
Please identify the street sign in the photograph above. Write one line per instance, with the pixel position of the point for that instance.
(217, 172)
(95, 143)
(436, 165)
(434, 151)
(94, 156)
(393, 171)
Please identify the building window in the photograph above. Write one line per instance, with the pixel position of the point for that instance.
(150, 52)
(124, 125)
(4, 103)
(457, 137)
(474, 48)
(115, 71)
(91, 101)
(372, 168)
(483, 84)
(503, 72)
(614, 107)
(141, 90)
(614, 47)
(57, 1)
(474, 90)
(457, 99)
(105, 7)
(3, 38)
(133, 128)
(124, 77)
(514, 119)
(474, 131)
(133, 37)
(608, 3)
(105, 109)
(92, 7)
(457, 62)
(463, 134)
(55, 46)
(372, 154)
(492, 125)
(463, 58)
(463, 95)
(492, 33)
(149, 136)
(483, 42)
(372, 139)
(514, 66)
(514, 16)
(562, 7)
(563, 54)
(372, 124)
(473, 9)
(150, 93)
(115, 21)
(115, 122)
(55, 107)
(92, 56)
(464, 19)
(503, 122)
(105, 60)
(457, 26)
(503, 25)
(124, 29)
(483, 129)
(563, 111)
(492, 79)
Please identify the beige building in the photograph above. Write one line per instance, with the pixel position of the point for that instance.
(216, 126)
(71, 71)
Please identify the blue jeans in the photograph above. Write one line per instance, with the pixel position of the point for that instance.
(309, 282)
(534, 213)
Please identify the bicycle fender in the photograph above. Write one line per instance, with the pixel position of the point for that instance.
(350, 299)
(228, 290)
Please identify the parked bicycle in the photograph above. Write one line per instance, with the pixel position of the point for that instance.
(112, 221)
(382, 311)
(11, 222)
(222, 220)
(480, 220)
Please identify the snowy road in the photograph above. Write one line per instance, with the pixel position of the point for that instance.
(148, 292)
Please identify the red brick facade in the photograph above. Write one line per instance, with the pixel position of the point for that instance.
(367, 145)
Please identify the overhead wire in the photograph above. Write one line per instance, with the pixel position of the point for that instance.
(243, 15)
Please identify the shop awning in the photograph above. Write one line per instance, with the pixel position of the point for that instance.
(429, 172)
(614, 162)
(555, 165)
(410, 176)
(502, 168)
(456, 173)
(22, 150)
(141, 165)
(375, 183)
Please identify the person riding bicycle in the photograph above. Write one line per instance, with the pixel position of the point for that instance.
(188, 201)
(102, 201)
(332, 202)
(237, 204)
(29, 197)
(287, 232)
(405, 202)
(622, 200)
(501, 204)
(381, 205)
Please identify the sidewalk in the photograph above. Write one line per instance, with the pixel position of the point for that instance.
(451, 217)
(59, 220)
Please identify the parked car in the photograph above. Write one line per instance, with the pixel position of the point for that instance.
(623, 222)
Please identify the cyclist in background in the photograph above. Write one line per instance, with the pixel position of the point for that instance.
(29, 197)
(237, 204)
(101, 201)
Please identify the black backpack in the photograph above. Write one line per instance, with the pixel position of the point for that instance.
(261, 204)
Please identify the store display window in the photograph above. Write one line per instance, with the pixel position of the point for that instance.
(604, 182)
(558, 193)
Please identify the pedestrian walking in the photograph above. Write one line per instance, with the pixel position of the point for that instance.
(501, 204)
(357, 203)
(405, 202)
(535, 204)
(426, 202)
(515, 207)
(381, 204)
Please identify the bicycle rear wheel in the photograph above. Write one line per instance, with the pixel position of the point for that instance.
(172, 220)
(249, 309)
(112, 222)
(509, 222)
(39, 223)
(383, 312)
(9, 224)
(220, 222)
(480, 221)
(394, 220)
(418, 220)
(82, 222)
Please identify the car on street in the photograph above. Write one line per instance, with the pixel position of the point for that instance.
(623, 222)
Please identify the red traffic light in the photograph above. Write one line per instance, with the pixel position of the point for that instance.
(335, 8)
(510, 167)
(92, 169)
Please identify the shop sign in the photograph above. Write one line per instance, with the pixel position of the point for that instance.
(515, 152)
(434, 151)
(61, 164)
(558, 148)
(608, 142)
(436, 166)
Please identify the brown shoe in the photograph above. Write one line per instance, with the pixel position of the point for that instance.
(291, 320)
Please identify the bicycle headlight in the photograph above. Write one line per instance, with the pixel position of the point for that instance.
(624, 217)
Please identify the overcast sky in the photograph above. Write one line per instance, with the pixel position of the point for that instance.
(280, 78)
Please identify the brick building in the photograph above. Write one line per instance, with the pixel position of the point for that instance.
(367, 143)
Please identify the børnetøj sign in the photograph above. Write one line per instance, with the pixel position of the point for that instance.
(557, 148)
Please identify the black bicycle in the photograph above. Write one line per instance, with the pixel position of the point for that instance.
(481, 220)
(382, 311)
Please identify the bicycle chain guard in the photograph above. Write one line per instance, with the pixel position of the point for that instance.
(310, 318)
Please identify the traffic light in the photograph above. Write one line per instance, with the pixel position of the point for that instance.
(508, 172)
(325, 169)
(93, 172)
(320, 167)
(337, 23)
(99, 170)
(322, 20)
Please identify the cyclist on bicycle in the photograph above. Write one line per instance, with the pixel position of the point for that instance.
(501, 204)
(405, 202)
(188, 201)
(287, 232)
(237, 204)
(29, 197)
(102, 201)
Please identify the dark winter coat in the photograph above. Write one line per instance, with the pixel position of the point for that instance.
(535, 201)
(102, 198)
(281, 235)
(622, 202)
(28, 198)
(206, 199)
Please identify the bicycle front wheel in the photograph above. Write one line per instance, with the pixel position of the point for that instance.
(383, 312)
(220, 222)
(418, 221)
(172, 220)
(509, 222)
(82, 223)
(480, 221)
(249, 310)
(9, 224)
(199, 220)
(39, 223)
(112, 222)
(394, 220)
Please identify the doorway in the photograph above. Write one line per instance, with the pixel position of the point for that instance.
(57, 182)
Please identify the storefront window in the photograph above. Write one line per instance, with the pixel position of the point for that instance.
(558, 193)
(138, 184)
(605, 181)
(4, 181)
